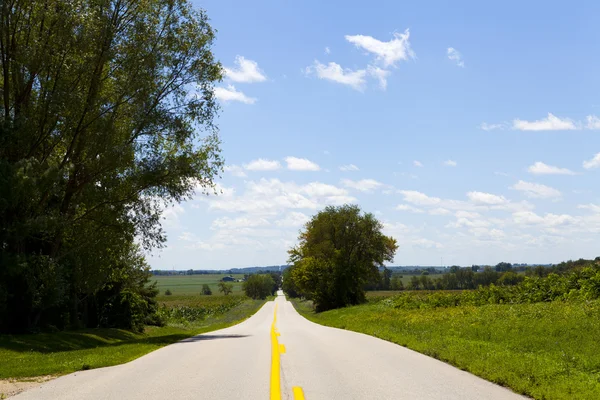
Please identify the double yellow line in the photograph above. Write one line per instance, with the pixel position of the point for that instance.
(276, 351)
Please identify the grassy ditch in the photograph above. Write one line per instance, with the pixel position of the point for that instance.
(546, 350)
(65, 352)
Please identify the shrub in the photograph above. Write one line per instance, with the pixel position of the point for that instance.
(168, 292)
(206, 290)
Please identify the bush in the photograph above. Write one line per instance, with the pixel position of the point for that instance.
(206, 290)
(168, 292)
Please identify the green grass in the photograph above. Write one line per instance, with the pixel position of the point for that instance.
(65, 352)
(543, 350)
(192, 284)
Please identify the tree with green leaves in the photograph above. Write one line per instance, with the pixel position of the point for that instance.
(225, 288)
(259, 286)
(339, 251)
(106, 118)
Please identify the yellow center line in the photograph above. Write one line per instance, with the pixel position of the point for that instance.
(275, 362)
(298, 393)
(276, 351)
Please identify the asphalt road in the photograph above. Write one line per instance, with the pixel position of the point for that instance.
(275, 352)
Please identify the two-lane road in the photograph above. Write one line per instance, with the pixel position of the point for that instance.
(315, 362)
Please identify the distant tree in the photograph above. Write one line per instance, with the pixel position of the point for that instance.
(474, 268)
(414, 283)
(386, 279)
(454, 268)
(510, 279)
(425, 272)
(396, 283)
(225, 288)
(206, 290)
(259, 286)
(486, 277)
(340, 250)
(503, 267)
(168, 292)
(289, 284)
(426, 282)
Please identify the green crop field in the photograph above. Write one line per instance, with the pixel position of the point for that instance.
(192, 284)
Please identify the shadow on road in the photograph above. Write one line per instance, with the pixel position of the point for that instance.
(200, 338)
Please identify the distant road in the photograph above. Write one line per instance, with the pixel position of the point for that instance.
(309, 362)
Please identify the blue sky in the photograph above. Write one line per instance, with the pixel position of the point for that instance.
(471, 130)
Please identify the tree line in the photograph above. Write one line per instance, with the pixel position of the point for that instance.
(106, 118)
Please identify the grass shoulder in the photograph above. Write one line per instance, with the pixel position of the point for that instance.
(544, 350)
(59, 353)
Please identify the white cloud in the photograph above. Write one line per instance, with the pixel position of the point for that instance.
(272, 197)
(388, 53)
(450, 163)
(237, 223)
(593, 122)
(379, 74)
(439, 211)
(334, 72)
(593, 163)
(414, 197)
(536, 190)
(467, 214)
(247, 71)
(499, 173)
(262, 165)
(592, 207)
(327, 50)
(406, 207)
(427, 243)
(235, 170)
(550, 123)
(549, 220)
(417, 163)
(301, 164)
(490, 127)
(349, 167)
(539, 168)
(455, 56)
(486, 198)
(230, 94)
(293, 219)
(364, 185)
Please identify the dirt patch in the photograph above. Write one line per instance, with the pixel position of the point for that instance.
(11, 387)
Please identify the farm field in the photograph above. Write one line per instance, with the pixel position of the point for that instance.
(192, 284)
(545, 350)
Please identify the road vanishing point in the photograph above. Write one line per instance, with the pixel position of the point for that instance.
(275, 354)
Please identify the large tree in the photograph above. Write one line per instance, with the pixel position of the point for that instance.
(339, 251)
(106, 116)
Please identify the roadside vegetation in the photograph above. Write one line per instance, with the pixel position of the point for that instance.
(538, 337)
(64, 352)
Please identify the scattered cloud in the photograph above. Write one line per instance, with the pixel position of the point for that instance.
(592, 207)
(450, 163)
(490, 127)
(539, 168)
(536, 190)
(293, 219)
(593, 122)
(247, 71)
(230, 94)
(327, 50)
(240, 222)
(550, 123)
(335, 73)
(379, 74)
(407, 207)
(548, 220)
(364, 185)
(499, 173)
(439, 211)
(486, 198)
(593, 163)
(235, 170)
(349, 167)
(387, 53)
(417, 163)
(455, 56)
(301, 164)
(262, 165)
